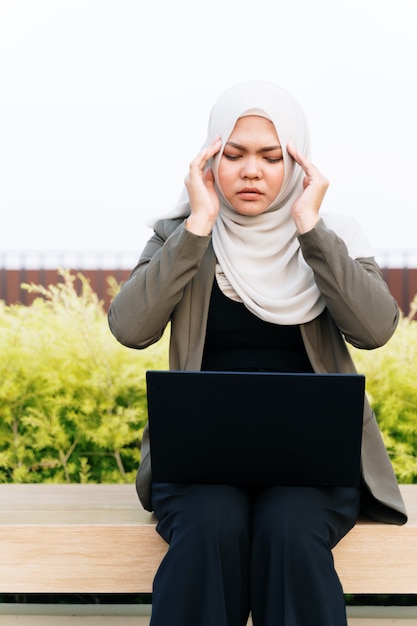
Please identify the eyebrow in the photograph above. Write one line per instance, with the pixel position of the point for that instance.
(265, 149)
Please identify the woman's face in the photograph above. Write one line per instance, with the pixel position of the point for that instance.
(251, 168)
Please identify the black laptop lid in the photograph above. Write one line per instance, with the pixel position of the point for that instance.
(255, 428)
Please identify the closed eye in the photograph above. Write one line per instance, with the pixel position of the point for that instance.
(232, 157)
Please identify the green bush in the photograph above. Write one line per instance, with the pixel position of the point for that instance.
(391, 384)
(72, 399)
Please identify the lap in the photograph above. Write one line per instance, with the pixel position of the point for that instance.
(301, 510)
(327, 512)
(208, 508)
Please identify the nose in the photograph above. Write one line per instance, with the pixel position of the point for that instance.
(250, 167)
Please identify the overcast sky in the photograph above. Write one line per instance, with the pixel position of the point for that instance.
(103, 104)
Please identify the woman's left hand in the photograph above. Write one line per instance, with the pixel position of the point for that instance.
(305, 210)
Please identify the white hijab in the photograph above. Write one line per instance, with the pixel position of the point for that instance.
(259, 257)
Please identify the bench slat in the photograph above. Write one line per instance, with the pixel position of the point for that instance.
(97, 539)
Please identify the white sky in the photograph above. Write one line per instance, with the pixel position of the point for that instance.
(103, 104)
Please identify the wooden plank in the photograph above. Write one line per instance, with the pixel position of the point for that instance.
(97, 539)
(381, 558)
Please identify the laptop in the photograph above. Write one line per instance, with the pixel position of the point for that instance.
(257, 428)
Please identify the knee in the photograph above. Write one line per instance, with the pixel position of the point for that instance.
(284, 511)
(301, 517)
(206, 514)
(222, 515)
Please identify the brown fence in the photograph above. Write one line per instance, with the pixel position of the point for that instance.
(12, 279)
(403, 285)
(402, 282)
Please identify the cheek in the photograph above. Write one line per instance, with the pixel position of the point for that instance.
(277, 180)
(225, 175)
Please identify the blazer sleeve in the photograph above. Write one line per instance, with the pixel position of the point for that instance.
(354, 291)
(142, 309)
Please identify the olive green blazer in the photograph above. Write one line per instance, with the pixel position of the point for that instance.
(172, 283)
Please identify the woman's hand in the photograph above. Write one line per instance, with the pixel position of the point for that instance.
(202, 195)
(305, 210)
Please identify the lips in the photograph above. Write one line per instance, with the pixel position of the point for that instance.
(250, 193)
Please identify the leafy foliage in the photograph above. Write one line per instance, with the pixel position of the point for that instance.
(391, 383)
(72, 400)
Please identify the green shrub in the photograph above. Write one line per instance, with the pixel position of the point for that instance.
(391, 384)
(72, 399)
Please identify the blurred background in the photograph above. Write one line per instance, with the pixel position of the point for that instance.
(104, 103)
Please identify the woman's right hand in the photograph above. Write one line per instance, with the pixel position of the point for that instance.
(202, 195)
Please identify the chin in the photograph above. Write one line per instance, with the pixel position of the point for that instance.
(250, 211)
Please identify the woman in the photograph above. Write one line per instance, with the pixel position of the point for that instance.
(252, 277)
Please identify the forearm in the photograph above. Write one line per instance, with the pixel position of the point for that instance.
(354, 291)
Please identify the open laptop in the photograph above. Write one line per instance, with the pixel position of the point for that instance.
(255, 428)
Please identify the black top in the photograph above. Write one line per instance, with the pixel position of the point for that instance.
(237, 340)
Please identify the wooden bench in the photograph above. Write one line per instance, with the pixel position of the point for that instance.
(97, 539)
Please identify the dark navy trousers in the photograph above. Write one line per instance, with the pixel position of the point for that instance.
(236, 550)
